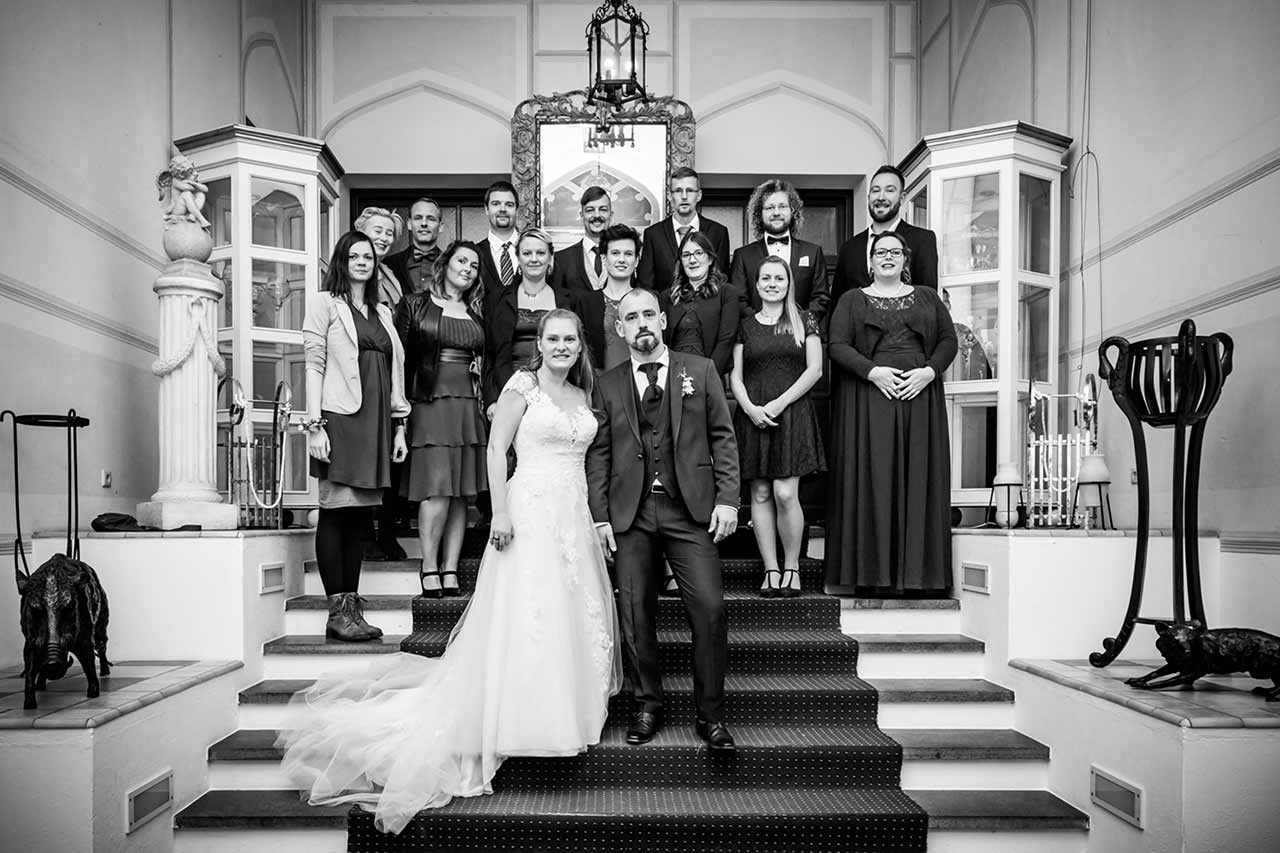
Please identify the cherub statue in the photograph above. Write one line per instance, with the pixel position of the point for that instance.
(181, 193)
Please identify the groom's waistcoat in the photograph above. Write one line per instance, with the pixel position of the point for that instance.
(658, 445)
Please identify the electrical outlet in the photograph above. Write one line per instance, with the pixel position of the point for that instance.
(106, 479)
(1133, 476)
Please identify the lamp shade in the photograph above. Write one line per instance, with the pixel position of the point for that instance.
(1093, 469)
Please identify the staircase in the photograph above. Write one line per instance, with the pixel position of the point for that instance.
(831, 733)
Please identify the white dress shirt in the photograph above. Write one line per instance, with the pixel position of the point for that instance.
(642, 381)
(779, 250)
(495, 249)
(676, 226)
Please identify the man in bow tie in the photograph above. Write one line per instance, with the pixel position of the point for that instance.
(777, 213)
(414, 265)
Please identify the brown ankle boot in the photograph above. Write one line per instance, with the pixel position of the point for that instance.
(357, 614)
(341, 625)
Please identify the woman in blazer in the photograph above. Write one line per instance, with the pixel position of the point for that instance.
(355, 386)
(443, 339)
(701, 288)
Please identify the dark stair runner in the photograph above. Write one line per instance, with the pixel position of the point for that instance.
(813, 772)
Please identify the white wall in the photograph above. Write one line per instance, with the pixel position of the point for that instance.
(94, 94)
(1185, 126)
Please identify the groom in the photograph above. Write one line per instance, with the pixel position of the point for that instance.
(662, 475)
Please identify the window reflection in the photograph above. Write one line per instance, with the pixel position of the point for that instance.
(970, 224)
(278, 219)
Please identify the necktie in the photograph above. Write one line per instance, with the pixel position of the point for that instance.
(652, 397)
(682, 232)
(778, 241)
(595, 250)
(508, 272)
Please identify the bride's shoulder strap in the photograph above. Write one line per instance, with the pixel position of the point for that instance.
(523, 383)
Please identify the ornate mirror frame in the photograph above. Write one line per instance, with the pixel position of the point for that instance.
(572, 108)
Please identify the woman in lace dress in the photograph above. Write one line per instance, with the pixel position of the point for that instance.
(531, 664)
(777, 359)
(890, 493)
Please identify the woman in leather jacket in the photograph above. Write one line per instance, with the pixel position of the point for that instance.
(443, 339)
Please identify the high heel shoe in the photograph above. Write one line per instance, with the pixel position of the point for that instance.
(771, 588)
(785, 589)
(423, 576)
(450, 591)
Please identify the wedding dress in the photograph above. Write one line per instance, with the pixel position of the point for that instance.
(528, 670)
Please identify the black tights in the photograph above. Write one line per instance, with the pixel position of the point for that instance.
(340, 538)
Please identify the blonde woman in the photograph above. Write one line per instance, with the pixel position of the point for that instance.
(776, 361)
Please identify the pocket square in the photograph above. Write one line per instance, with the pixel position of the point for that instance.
(804, 262)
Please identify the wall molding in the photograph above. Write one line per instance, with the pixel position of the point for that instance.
(26, 294)
(1249, 542)
(61, 204)
(1192, 204)
(1224, 297)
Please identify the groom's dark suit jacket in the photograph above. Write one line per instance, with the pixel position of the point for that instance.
(706, 451)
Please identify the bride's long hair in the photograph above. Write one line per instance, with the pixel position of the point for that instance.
(582, 373)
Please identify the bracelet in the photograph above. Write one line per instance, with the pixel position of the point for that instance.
(400, 423)
(312, 425)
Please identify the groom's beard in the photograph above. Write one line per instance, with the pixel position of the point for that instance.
(645, 342)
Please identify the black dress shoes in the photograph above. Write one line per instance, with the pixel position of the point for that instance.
(644, 725)
(716, 734)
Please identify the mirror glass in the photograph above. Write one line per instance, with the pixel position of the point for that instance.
(629, 161)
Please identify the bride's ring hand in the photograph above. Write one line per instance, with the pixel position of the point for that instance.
(500, 530)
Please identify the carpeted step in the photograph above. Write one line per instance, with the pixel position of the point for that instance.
(805, 756)
(739, 573)
(742, 820)
(772, 700)
(791, 651)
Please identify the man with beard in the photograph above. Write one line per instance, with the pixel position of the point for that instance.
(662, 476)
(582, 265)
(884, 203)
(661, 252)
(498, 250)
(414, 265)
(777, 213)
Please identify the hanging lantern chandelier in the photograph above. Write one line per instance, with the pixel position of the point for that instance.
(616, 43)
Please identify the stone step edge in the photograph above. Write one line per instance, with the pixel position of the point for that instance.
(277, 691)
(406, 601)
(967, 810)
(917, 744)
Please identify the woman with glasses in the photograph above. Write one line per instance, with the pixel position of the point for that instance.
(890, 488)
(701, 299)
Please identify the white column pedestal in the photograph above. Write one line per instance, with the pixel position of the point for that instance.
(188, 368)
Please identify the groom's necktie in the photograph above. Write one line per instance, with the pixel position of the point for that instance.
(651, 400)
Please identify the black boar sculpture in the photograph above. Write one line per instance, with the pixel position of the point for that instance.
(1192, 651)
(64, 612)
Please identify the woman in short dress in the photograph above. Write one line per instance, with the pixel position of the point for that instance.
(355, 386)
(443, 341)
(890, 492)
(777, 359)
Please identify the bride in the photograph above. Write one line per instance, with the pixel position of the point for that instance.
(531, 664)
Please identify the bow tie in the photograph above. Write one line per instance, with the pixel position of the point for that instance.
(429, 255)
(777, 241)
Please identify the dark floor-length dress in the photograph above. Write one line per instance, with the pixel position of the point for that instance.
(771, 364)
(889, 528)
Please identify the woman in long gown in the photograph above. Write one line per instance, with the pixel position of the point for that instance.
(890, 494)
(531, 664)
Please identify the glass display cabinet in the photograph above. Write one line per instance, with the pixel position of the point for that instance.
(271, 204)
(992, 195)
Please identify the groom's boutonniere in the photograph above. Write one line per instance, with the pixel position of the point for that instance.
(686, 384)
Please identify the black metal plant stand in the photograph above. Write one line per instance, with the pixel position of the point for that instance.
(1166, 382)
(71, 422)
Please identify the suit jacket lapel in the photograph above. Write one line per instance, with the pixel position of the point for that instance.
(628, 392)
(675, 399)
(667, 230)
